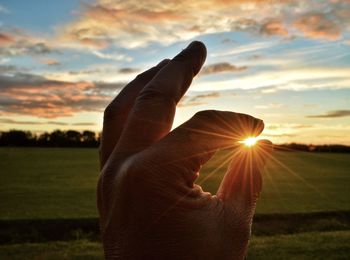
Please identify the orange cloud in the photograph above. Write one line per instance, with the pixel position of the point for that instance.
(38, 96)
(274, 27)
(16, 42)
(6, 39)
(317, 25)
(50, 62)
(133, 23)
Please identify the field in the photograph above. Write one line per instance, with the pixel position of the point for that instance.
(299, 246)
(57, 184)
(49, 183)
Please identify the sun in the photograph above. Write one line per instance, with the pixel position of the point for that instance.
(250, 141)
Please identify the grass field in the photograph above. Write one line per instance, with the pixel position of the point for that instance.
(315, 245)
(43, 188)
(56, 183)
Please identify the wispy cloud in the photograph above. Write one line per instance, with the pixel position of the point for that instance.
(128, 70)
(3, 9)
(112, 56)
(270, 106)
(221, 67)
(297, 79)
(19, 43)
(58, 123)
(332, 114)
(50, 62)
(199, 99)
(236, 50)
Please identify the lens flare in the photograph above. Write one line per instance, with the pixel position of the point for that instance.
(250, 141)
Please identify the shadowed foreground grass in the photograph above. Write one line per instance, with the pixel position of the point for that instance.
(313, 245)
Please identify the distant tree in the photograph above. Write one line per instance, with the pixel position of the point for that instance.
(43, 139)
(58, 139)
(73, 138)
(17, 138)
(89, 139)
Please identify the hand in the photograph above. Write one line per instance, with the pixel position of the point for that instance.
(148, 203)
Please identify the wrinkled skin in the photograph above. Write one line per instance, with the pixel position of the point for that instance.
(148, 203)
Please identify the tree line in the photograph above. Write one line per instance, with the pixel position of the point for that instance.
(72, 138)
(57, 138)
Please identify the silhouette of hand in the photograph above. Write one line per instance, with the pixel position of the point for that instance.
(148, 203)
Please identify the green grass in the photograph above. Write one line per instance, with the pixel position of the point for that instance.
(48, 183)
(314, 245)
(297, 182)
(60, 183)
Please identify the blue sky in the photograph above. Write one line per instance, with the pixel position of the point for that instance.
(287, 62)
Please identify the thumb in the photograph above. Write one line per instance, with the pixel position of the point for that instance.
(242, 183)
(190, 145)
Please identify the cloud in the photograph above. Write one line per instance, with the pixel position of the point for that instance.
(133, 24)
(112, 56)
(4, 69)
(332, 114)
(296, 79)
(6, 39)
(16, 42)
(3, 9)
(274, 27)
(270, 106)
(245, 48)
(24, 47)
(287, 127)
(200, 99)
(29, 94)
(50, 62)
(19, 122)
(280, 135)
(128, 70)
(220, 68)
(317, 25)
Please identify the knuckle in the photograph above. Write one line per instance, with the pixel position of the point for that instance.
(216, 115)
(109, 111)
(142, 77)
(210, 120)
(155, 96)
(204, 113)
(113, 110)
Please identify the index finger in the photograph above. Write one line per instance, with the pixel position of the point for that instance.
(152, 115)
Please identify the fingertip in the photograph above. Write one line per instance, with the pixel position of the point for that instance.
(265, 144)
(259, 126)
(195, 52)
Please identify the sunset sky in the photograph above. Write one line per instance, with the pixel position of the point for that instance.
(286, 62)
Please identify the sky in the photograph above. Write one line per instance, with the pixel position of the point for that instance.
(286, 62)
